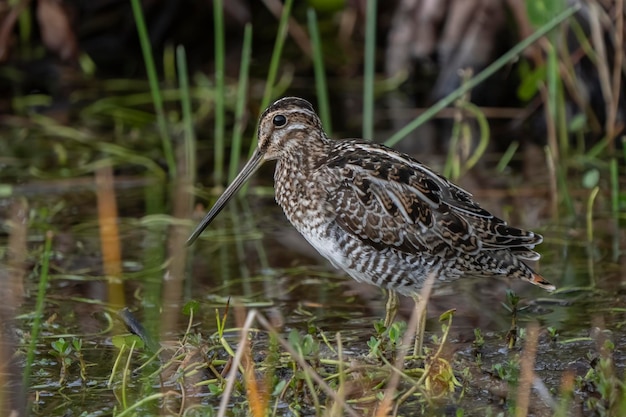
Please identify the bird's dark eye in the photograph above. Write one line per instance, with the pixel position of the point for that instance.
(279, 120)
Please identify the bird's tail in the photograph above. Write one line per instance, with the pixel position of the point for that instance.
(539, 281)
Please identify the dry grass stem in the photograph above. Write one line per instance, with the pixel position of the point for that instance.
(13, 285)
(527, 371)
(109, 235)
(11, 296)
(177, 251)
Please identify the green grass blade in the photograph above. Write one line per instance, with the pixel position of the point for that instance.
(146, 49)
(614, 173)
(281, 35)
(218, 18)
(484, 130)
(369, 70)
(169, 64)
(451, 168)
(507, 156)
(320, 73)
(25, 28)
(590, 234)
(481, 76)
(185, 103)
(242, 89)
(39, 305)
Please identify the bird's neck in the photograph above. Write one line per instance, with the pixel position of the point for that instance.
(308, 155)
(296, 176)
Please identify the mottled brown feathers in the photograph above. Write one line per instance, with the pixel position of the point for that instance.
(382, 216)
(410, 198)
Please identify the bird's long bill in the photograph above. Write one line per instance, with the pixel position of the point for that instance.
(250, 168)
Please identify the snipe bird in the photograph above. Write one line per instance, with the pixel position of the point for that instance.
(378, 214)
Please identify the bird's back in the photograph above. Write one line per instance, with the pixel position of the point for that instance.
(371, 201)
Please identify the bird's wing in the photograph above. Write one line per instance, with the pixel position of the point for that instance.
(388, 199)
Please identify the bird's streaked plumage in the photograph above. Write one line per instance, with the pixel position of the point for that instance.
(378, 214)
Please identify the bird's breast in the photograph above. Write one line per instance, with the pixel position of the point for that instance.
(303, 197)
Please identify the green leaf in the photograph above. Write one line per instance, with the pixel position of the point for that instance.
(294, 338)
(6, 190)
(191, 306)
(541, 11)
(215, 389)
(394, 333)
(373, 344)
(61, 346)
(447, 315)
(530, 82)
(127, 340)
(591, 178)
(379, 326)
(578, 123)
(279, 387)
(77, 344)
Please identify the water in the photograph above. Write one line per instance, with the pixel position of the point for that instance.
(251, 258)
